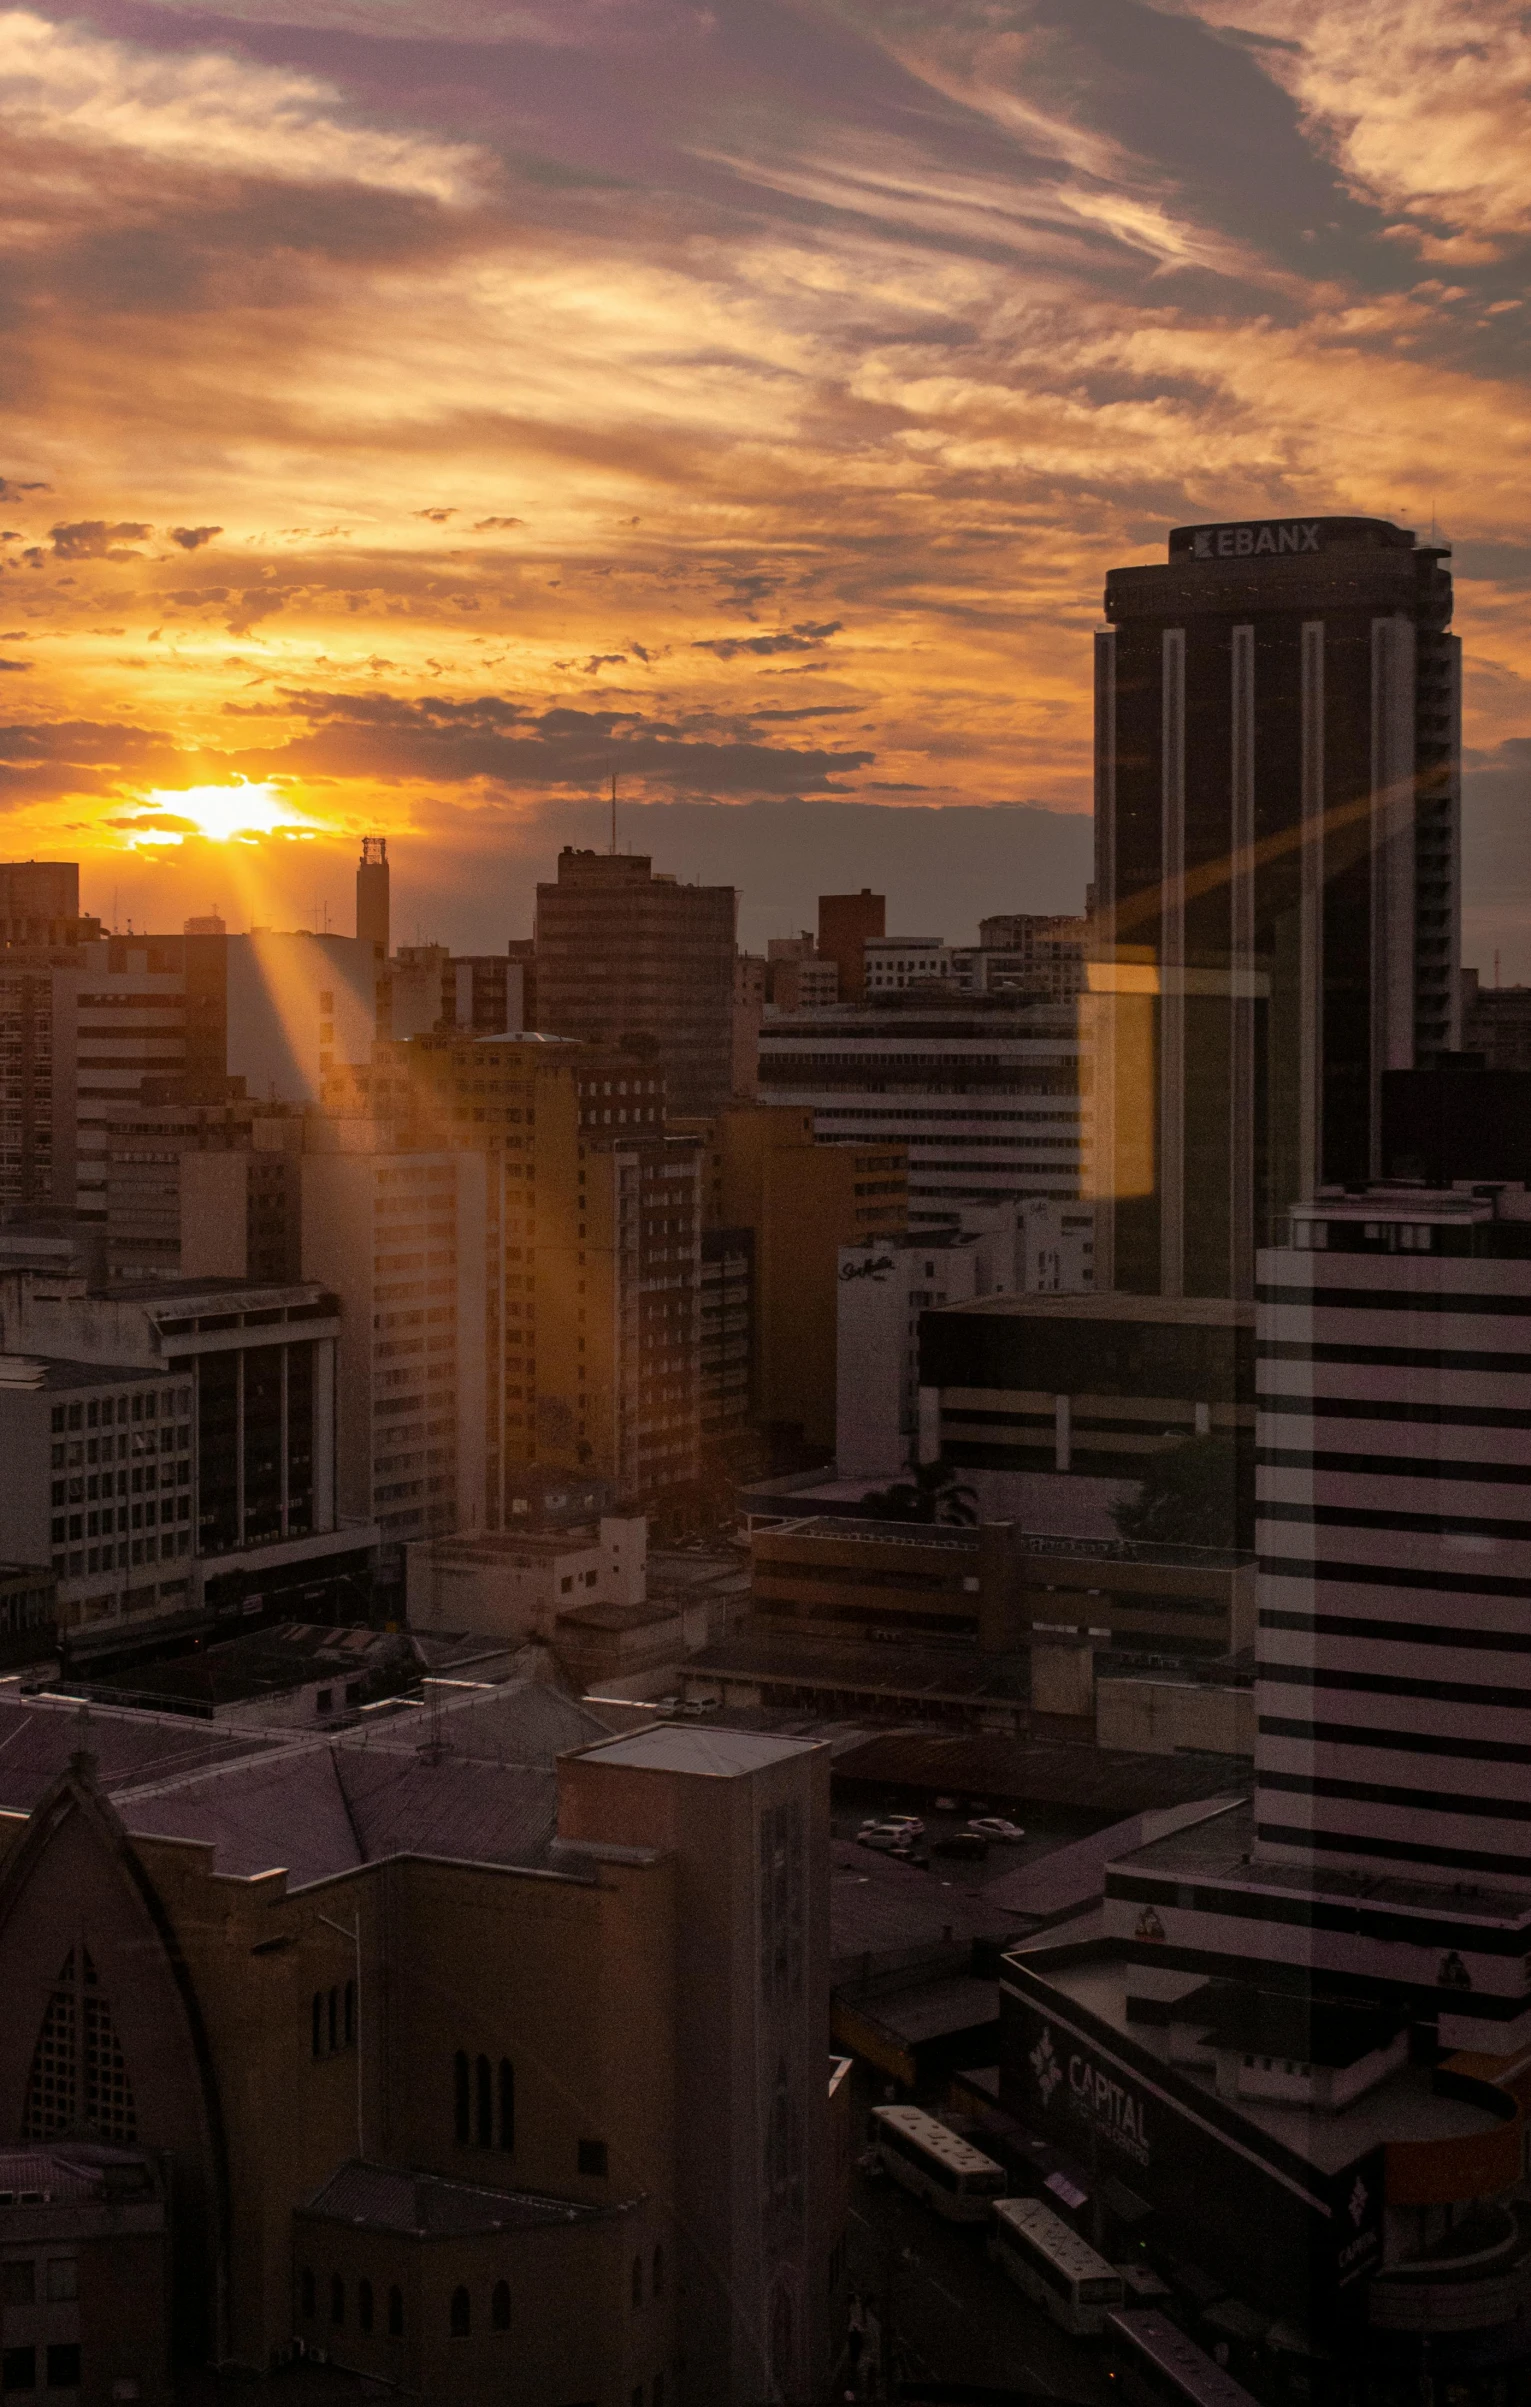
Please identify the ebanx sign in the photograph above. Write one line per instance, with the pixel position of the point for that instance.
(1285, 538)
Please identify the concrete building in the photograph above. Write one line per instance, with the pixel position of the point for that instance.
(1277, 768)
(400, 1239)
(746, 1818)
(84, 2242)
(221, 1400)
(28, 1610)
(885, 1283)
(762, 1170)
(1047, 950)
(1496, 1022)
(512, 1585)
(1018, 1390)
(642, 964)
(847, 924)
(592, 1251)
(372, 896)
(197, 1186)
(986, 1093)
(726, 1323)
(40, 905)
(583, 2149)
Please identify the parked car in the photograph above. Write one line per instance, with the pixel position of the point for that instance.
(994, 1826)
(909, 1822)
(970, 1844)
(884, 1836)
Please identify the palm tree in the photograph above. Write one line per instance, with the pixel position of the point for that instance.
(935, 1494)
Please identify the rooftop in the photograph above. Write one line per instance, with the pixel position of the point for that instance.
(428, 2207)
(29, 1373)
(712, 1754)
(1179, 1311)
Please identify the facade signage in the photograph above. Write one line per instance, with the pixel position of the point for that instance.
(1095, 2095)
(1270, 536)
(876, 1266)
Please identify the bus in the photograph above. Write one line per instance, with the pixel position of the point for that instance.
(1047, 2259)
(1154, 2365)
(954, 2177)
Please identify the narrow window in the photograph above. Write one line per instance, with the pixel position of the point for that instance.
(461, 2317)
(395, 2312)
(334, 2020)
(658, 2393)
(460, 2095)
(592, 2159)
(337, 2299)
(306, 2293)
(637, 2281)
(483, 2085)
(350, 2014)
(499, 2307)
(318, 2023)
(364, 2305)
(507, 2103)
(657, 2285)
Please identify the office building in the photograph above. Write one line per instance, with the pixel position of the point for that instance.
(1496, 1023)
(220, 1397)
(474, 2078)
(167, 1214)
(986, 1093)
(1046, 951)
(847, 924)
(40, 905)
(762, 1170)
(513, 1584)
(796, 977)
(643, 965)
(372, 900)
(1025, 1394)
(1277, 715)
(37, 1099)
(1457, 1124)
(726, 1322)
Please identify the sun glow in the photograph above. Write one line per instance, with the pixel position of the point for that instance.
(220, 814)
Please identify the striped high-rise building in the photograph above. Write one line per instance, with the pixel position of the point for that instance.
(1394, 1538)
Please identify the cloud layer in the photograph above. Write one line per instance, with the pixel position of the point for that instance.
(438, 409)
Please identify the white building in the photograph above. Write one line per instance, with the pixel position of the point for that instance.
(989, 1093)
(885, 1284)
(513, 1584)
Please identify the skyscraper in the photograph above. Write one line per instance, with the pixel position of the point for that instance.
(1277, 740)
(641, 963)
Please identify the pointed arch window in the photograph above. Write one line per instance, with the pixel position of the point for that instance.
(79, 2077)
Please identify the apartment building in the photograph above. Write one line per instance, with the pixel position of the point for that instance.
(591, 1250)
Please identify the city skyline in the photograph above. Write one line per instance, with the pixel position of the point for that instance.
(421, 426)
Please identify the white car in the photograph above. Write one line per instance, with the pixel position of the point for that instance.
(884, 1836)
(994, 1826)
(909, 1822)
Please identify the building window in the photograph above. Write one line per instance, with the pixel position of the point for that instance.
(318, 2022)
(637, 2281)
(334, 2020)
(499, 2307)
(658, 2390)
(337, 2299)
(483, 2086)
(63, 2280)
(592, 2159)
(18, 2283)
(18, 2369)
(657, 2285)
(64, 2365)
(507, 2103)
(460, 2105)
(462, 2321)
(306, 2293)
(395, 2312)
(79, 2076)
(364, 2305)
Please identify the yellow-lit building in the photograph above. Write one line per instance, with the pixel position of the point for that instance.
(592, 1247)
(763, 1171)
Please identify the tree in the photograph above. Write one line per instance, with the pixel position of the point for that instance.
(935, 1494)
(1197, 1494)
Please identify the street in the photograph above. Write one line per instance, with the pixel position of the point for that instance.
(956, 2316)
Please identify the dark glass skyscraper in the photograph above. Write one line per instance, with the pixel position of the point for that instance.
(1277, 745)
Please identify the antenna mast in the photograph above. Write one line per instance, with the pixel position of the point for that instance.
(613, 811)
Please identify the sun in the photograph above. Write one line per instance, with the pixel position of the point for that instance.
(219, 814)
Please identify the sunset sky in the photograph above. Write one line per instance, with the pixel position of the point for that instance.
(421, 409)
